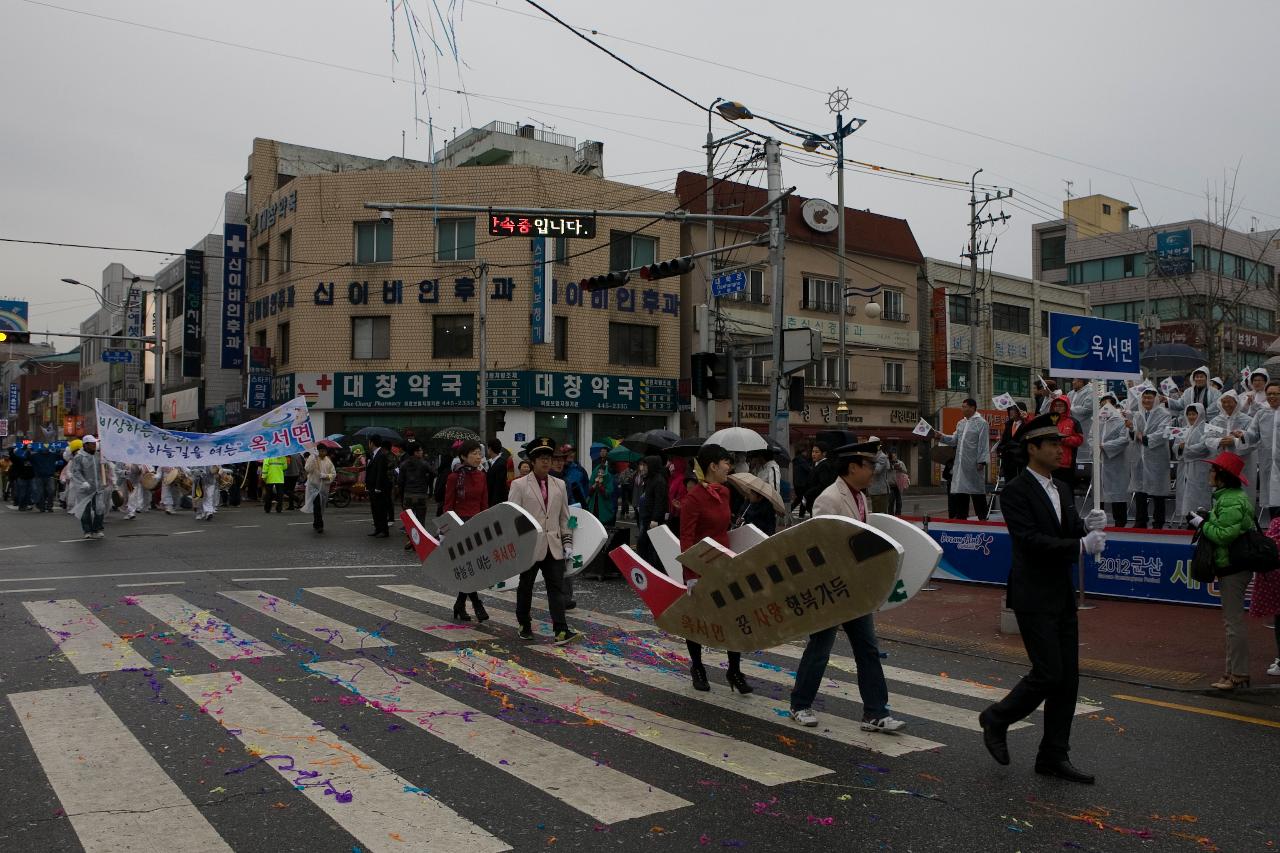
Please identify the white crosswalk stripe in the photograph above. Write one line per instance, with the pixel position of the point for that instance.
(755, 705)
(203, 628)
(606, 619)
(332, 631)
(87, 642)
(400, 615)
(585, 784)
(692, 741)
(117, 797)
(380, 808)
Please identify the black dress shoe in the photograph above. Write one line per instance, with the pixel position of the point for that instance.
(383, 535)
(993, 736)
(1064, 769)
(699, 675)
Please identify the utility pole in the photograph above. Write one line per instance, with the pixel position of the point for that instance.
(705, 413)
(778, 424)
(484, 349)
(976, 221)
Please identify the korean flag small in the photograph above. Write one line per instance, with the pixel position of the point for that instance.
(922, 429)
(1003, 402)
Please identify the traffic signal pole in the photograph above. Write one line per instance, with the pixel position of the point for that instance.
(779, 427)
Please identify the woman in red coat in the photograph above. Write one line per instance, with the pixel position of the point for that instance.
(467, 494)
(705, 513)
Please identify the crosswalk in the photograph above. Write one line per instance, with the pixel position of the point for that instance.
(465, 702)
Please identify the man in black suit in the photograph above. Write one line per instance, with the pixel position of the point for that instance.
(496, 476)
(1047, 536)
(377, 479)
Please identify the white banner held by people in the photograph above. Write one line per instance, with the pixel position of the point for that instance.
(282, 431)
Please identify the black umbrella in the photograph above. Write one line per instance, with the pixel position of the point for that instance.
(651, 441)
(457, 433)
(780, 453)
(834, 438)
(1174, 359)
(686, 446)
(382, 432)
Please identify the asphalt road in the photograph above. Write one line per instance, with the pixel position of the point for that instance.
(244, 684)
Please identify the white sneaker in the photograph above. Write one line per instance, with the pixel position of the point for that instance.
(1274, 669)
(804, 717)
(88, 536)
(99, 535)
(885, 724)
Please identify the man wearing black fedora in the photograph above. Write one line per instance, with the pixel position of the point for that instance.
(1047, 535)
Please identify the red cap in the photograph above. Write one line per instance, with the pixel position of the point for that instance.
(1231, 463)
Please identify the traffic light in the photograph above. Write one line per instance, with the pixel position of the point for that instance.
(706, 375)
(15, 337)
(795, 394)
(667, 269)
(605, 282)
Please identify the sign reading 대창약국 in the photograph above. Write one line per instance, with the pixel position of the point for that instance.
(1092, 348)
(283, 431)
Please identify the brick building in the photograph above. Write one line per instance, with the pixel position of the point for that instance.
(375, 317)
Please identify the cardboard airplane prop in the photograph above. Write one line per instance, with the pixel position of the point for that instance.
(589, 539)
(667, 546)
(817, 574)
(469, 556)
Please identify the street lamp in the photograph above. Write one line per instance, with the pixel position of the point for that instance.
(134, 378)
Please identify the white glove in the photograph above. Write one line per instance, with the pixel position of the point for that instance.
(1095, 520)
(1195, 520)
(1094, 541)
(568, 554)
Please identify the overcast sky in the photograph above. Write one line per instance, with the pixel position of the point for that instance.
(128, 134)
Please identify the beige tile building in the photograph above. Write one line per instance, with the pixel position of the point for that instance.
(376, 318)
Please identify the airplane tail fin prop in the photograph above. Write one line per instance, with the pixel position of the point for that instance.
(423, 542)
(656, 590)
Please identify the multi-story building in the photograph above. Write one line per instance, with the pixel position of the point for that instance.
(48, 388)
(1193, 282)
(1013, 332)
(119, 383)
(376, 317)
(882, 353)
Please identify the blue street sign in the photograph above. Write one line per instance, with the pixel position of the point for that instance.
(1092, 348)
(117, 356)
(729, 282)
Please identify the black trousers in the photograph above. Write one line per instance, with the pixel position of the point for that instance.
(1120, 512)
(291, 491)
(1052, 641)
(380, 506)
(958, 506)
(1140, 510)
(553, 575)
(272, 493)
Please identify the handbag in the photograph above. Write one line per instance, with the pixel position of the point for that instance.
(1203, 568)
(1254, 551)
(904, 481)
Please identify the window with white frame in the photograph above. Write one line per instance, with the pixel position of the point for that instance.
(895, 376)
(373, 241)
(456, 239)
(895, 305)
(820, 294)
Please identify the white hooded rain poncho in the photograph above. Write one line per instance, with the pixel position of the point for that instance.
(972, 441)
(1082, 410)
(1206, 396)
(88, 481)
(1263, 437)
(1151, 466)
(1193, 491)
(1113, 438)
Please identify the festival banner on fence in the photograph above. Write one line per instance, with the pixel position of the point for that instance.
(282, 431)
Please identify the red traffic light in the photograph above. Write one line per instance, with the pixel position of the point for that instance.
(667, 269)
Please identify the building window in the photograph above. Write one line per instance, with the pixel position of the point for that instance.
(628, 251)
(825, 373)
(958, 309)
(895, 305)
(820, 294)
(1044, 323)
(173, 303)
(1012, 380)
(1106, 210)
(282, 343)
(753, 292)
(371, 337)
(286, 250)
(451, 335)
(264, 262)
(894, 377)
(1011, 318)
(373, 241)
(560, 331)
(959, 375)
(260, 338)
(456, 240)
(1053, 252)
(633, 343)
(751, 371)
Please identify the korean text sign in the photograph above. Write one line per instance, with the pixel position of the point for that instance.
(235, 249)
(281, 432)
(1092, 348)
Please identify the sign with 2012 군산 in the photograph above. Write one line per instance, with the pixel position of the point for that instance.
(1092, 348)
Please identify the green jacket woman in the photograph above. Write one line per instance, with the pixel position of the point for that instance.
(1232, 515)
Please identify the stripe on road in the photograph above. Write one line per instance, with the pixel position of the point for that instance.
(582, 783)
(335, 633)
(32, 589)
(150, 583)
(380, 808)
(1208, 712)
(255, 580)
(709, 747)
(16, 547)
(540, 601)
(388, 575)
(209, 571)
(420, 622)
(203, 628)
(754, 705)
(89, 645)
(115, 794)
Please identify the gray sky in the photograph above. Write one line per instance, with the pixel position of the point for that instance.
(118, 135)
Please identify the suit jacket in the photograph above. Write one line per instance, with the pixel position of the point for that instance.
(554, 517)
(837, 499)
(497, 477)
(378, 474)
(1046, 549)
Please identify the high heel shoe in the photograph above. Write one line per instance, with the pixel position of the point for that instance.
(460, 615)
(699, 675)
(1230, 682)
(482, 615)
(738, 681)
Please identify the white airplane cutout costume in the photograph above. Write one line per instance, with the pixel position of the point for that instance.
(472, 555)
(589, 539)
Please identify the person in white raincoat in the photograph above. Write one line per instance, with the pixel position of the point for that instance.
(1113, 438)
(1200, 391)
(139, 499)
(88, 488)
(204, 480)
(1226, 432)
(1263, 436)
(1151, 471)
(1081, 398)
(972, 441)
(1255, 396)
(320, 474)
(1193, 491)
